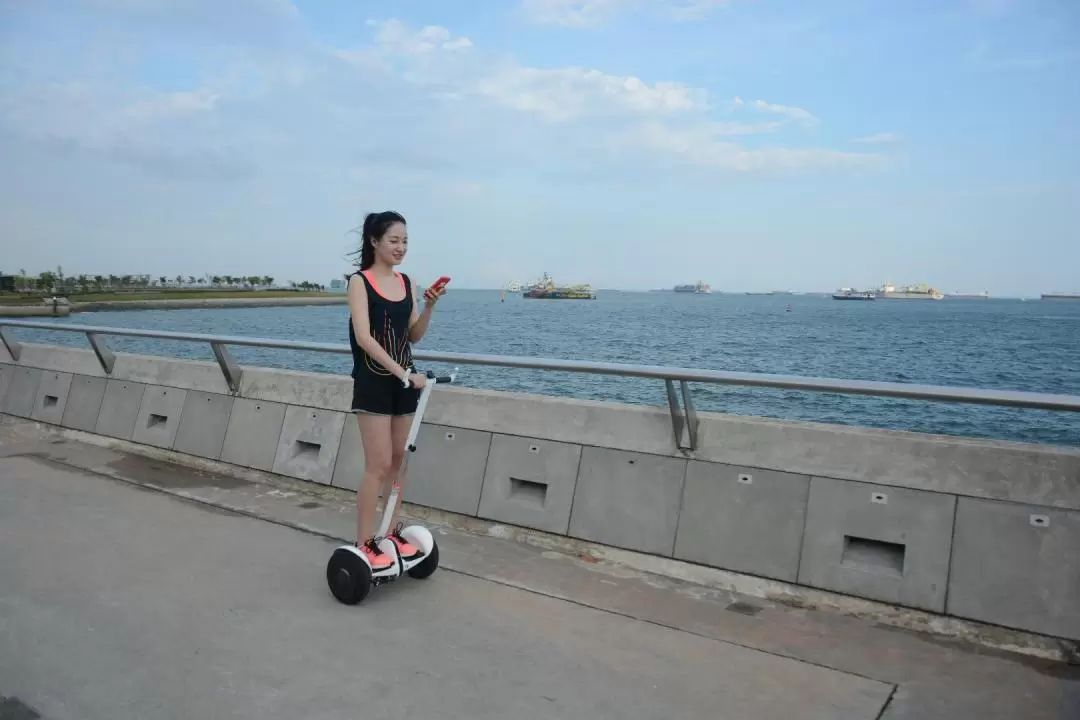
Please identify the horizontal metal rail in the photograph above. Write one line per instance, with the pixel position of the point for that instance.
(910, 391)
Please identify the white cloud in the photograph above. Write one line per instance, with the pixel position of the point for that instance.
(695, 9)
(701, 145)
(554, 94)
(444, 111)
(794, 113)
(575, 13)
(878, 139)
(395, 36)
(590, 13)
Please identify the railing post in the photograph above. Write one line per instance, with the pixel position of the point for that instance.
(691, 416)
(229, 369)
(13, 347)
(104, 355)
(676, 412)
(686, 416)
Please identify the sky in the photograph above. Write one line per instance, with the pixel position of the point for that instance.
(632, 144)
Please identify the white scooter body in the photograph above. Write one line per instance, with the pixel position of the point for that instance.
(349, 572)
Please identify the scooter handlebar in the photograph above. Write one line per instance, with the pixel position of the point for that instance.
(442, 378)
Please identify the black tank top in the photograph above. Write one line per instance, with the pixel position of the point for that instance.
(389, 323)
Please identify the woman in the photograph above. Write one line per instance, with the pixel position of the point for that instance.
(383, 323)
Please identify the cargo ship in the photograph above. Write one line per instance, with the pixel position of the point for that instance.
(1060, 296)
(546, 289)
(852, 294)
(921, 291)
(699, 288)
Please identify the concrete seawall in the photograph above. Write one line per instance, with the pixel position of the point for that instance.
(981, 530)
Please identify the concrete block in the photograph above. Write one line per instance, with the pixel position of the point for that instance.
(120, 409)
(628, 500)
(306, 389)
(743, 519)
(530, 482)
(52, 397)
(159, 416)
(203, 424)
(6, 372)
(71, 360)
(201, 375)
(879, 542)
(1016, 565)
(22, 391)
(251, 439)
(84, 403)
(309, 443)
(637, 428)
(349, 466)
(447, 469)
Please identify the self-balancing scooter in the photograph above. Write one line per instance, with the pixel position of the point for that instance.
(349, 573)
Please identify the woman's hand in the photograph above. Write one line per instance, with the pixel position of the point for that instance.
(432, 294)
(417, 381)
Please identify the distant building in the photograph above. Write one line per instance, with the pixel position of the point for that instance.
(7, 283)
(337, 284)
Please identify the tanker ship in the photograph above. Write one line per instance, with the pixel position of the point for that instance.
(546, 289)
(699, 288)
(921, 291)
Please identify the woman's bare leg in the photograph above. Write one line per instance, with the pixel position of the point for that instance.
(399, 431)
(375, 434)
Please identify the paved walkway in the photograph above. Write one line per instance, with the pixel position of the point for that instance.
(118, 601)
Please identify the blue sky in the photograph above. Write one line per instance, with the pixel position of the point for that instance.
(755, 144)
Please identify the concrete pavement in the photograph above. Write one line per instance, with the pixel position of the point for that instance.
(117, 601)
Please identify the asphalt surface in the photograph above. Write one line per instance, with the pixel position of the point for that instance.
(119, 601)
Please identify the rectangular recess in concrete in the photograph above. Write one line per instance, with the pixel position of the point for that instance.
(251, 439)
(878, 519)
(743, 519)
(51, 397)
(203, 424)
(628, 500)
(309, 442)
(120, 409)
(84, 403)
(22, 391)
(1016, 565)
(159, 416)
(447, 469)
(553, 465)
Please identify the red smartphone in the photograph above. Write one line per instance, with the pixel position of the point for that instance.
(440, 282)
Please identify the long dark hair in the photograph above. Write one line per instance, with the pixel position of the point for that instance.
(375, 226)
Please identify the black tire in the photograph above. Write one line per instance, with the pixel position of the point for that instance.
(428, 565)
(348, 576)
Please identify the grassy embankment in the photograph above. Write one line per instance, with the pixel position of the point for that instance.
(131, 296)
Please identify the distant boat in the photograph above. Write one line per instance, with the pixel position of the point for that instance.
(699, 288)
(921, 291)
(1060, 296)
(546, 289)
(852, 294)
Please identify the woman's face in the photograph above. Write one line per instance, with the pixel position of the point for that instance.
(393, 246)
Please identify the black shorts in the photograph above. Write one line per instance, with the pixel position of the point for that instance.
(383, 396)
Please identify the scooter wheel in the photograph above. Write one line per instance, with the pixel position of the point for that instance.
(349, 577)
(428, 565)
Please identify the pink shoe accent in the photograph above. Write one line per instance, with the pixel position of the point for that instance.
(376, 557)
(406, 549)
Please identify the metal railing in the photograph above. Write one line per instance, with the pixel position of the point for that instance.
(684, 417)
